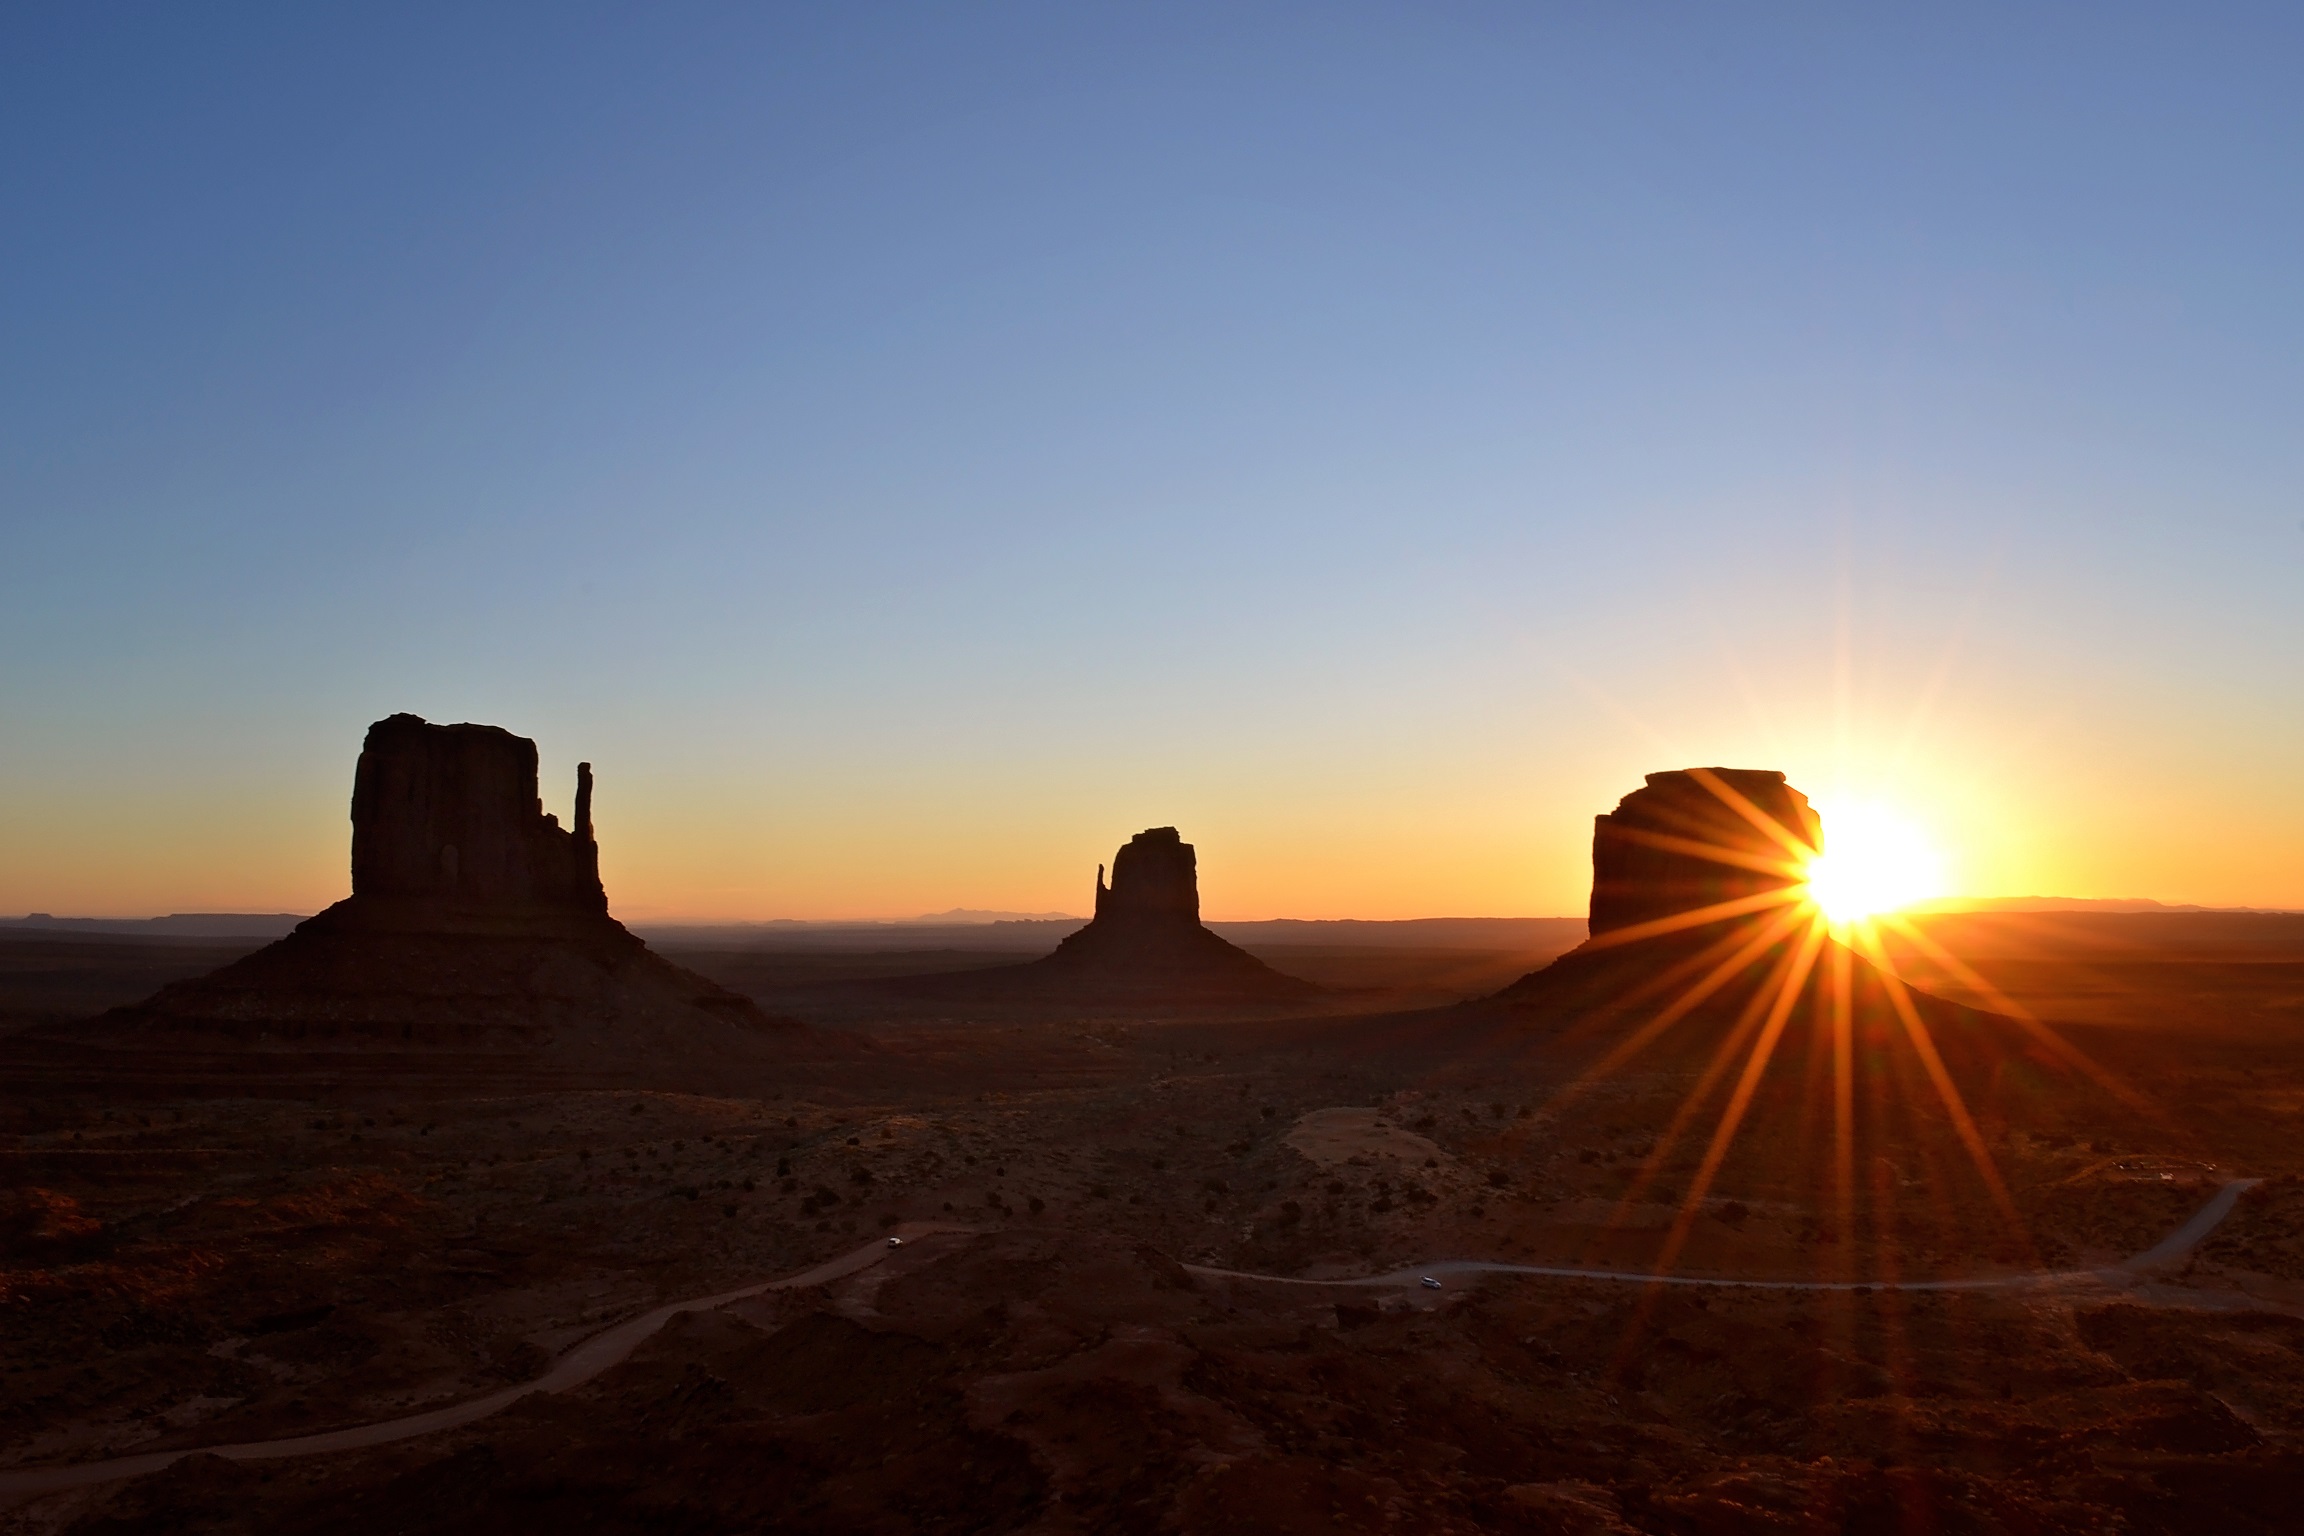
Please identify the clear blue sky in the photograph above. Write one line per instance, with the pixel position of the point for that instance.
(910, 448)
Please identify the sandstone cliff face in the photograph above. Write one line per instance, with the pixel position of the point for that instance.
(450, 814)
(1698, 837)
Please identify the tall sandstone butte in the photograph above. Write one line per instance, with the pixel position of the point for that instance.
(1145, 947)
(1155, 880)
(1695, 838)
(1718, 1028)
(477, 923)
(1694, 859)
(1696, 903)
(450, 815)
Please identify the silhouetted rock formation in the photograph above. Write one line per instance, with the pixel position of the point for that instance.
(1715, 1039)
(476, 923)
(1155, 879)
(1144, 947)
(1147, 940)
(1696, 903)
(449, 815)
(1697, 838)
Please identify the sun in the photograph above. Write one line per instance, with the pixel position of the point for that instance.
(1874, 861)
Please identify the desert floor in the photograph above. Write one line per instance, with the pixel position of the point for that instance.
(193, 1264)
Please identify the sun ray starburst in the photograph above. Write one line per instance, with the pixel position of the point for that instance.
(1788, 954)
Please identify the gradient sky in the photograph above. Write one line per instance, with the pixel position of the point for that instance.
(908, 449)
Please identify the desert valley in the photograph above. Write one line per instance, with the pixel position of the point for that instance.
(1693, 1219)
(1152, 769)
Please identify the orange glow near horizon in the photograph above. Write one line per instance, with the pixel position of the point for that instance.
(711, 850)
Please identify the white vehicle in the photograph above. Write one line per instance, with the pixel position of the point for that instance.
(1431, 1282)
(895, 1242)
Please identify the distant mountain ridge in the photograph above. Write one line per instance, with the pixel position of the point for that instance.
(179, 925)
(978, 915)
(1549, 935)
(976, 929)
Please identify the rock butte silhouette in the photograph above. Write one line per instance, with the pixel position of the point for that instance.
(1058, 1360)
(1645, 866)
(1688, 840)
(1683, 1032)
(476, 923)
(1145, 946)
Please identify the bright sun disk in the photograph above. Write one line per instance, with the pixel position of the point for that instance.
(1873, 861)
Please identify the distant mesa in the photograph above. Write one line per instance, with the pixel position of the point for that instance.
(1146, 945)
(176, 925)
(977, 917)
(476, 923)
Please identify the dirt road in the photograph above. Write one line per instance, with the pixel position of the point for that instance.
(613, 1346)
(576, 1367)
(2169, 1249)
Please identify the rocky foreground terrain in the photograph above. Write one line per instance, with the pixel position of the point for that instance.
(203, 1269)
(1179, 1267)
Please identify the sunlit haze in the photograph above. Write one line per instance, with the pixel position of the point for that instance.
(909, 452)
(1874, 861)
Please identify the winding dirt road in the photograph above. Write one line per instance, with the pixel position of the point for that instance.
(2161, 1254)
(616, 1344)
(579, 1365)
